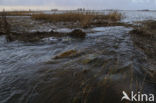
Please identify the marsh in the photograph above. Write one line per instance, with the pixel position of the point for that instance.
(82, 60)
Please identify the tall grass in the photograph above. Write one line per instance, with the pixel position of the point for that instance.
(83, 18)
(64, 17)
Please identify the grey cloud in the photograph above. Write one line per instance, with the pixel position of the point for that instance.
(92, 4)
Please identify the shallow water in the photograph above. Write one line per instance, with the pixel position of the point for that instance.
(30, 74)
(134, 16)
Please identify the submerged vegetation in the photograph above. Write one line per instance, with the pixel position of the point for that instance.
(69, 53)
(144, 37)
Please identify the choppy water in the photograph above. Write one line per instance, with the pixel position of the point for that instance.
(133, 16)
(29, 74)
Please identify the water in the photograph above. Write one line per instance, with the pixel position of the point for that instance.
(30, 74)
(134, 16)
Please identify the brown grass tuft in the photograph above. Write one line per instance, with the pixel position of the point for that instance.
(66, 54)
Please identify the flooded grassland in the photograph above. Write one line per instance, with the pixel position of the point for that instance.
(66, 62)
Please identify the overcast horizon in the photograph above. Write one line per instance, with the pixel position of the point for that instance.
(74, 4)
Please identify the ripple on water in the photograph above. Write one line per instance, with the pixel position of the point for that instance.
(107, 53)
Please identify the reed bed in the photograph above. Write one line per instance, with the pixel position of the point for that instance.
(84, 18)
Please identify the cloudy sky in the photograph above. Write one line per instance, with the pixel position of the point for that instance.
(73, 4)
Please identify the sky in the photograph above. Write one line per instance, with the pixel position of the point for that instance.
(73, 4)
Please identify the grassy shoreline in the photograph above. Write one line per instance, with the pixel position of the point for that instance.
(84, 19)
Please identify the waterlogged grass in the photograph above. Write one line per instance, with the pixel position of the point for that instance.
(144, 36)
(68, 54)
(83, 18)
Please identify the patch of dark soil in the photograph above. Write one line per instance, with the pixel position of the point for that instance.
(77, 33)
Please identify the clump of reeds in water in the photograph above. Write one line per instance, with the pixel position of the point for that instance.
(84, 18)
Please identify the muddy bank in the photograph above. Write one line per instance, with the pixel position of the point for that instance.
(37, 36)
(144, 37)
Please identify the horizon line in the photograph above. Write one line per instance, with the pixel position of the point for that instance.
(47, 8)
